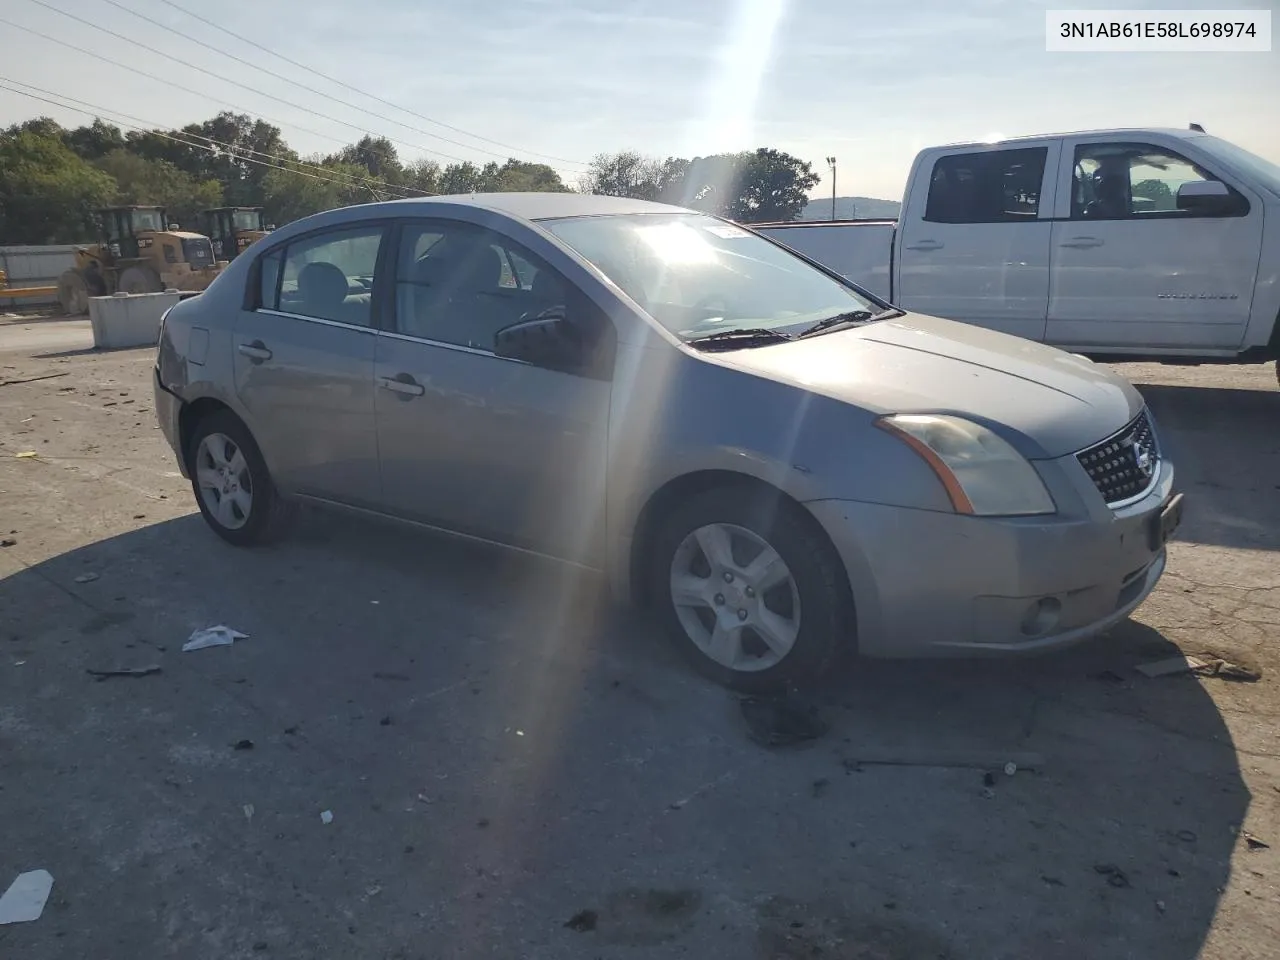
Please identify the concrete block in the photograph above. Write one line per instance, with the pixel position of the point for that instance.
(128, 319)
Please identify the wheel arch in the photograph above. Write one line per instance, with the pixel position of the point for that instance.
(192, 413)
(680, 488)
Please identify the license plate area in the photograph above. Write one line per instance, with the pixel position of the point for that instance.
(1165, 523)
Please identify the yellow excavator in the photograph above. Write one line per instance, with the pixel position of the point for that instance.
(140, 252)
(232, 229)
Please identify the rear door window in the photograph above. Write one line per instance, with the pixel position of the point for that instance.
(326, 276)
(991, 186)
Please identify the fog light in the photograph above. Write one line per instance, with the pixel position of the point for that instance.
(1041, 617)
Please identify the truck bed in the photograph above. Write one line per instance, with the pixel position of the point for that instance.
(863, 254)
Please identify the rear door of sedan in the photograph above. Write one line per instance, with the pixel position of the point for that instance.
(471, 441)
(304, 349)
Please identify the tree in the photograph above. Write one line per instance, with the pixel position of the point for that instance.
(520, 176)
(231, 148)
(47, 193)
(1157, 191)
(160, 183)
(771, 185)
(460, 178)
(376, 154)
(95, 141)
(299, 191)
(422, 177)
(624, 174)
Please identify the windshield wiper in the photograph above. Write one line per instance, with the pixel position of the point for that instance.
(849, 318)
(740, 337)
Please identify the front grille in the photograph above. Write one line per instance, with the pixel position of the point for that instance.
(1124, 466)
(198, 251)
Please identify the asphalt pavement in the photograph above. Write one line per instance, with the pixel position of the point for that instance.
(427, 749)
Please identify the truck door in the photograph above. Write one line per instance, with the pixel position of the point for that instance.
(973, 242)
(1135, 267)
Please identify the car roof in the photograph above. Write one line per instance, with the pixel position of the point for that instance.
(1110, 132)
(539, 206)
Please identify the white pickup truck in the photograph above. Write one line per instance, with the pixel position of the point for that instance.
(1161, 244)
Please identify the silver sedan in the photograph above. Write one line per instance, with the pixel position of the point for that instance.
(779, 464)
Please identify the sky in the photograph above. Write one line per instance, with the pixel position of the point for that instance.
(867, 81)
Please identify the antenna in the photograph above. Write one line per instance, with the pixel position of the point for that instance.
(1197, 128)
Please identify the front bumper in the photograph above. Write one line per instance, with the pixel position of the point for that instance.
(936, 584)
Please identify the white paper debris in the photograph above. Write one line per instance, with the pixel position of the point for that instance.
(25, 899)
(326, 816)
(248, 811)
(1170, 665)
(218, 636)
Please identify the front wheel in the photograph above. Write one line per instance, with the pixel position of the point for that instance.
(749, 589)
(139, 280)
(232, 485)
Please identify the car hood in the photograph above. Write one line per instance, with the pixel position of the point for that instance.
(1047, 402)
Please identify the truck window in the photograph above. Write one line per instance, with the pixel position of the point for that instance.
(993, 186)
(1123, 181)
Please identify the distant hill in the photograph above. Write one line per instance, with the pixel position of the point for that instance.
(851, 208)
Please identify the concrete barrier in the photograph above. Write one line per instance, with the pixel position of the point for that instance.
(128, 320)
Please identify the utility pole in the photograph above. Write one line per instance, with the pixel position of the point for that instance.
(831, 162)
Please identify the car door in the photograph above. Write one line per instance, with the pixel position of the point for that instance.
(471, 441)
(1133, 269)
(304, 353)
(975, 246)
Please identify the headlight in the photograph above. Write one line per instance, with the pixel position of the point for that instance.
(982, 474)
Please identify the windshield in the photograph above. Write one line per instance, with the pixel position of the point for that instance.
(147, 220)
(1264, 171)
(697, 275)
(247, 220)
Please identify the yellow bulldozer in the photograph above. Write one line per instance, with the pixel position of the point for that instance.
(232, 229)
(140, 252)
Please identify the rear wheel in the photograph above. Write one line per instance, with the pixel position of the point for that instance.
(232, 485)
(749, 589)
(139, 280)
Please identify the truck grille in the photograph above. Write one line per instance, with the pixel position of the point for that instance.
(1124, 466)
(197, 251)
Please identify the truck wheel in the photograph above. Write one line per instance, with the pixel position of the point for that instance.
(749, 589)
(140, 280)
(73, 293)
(232, 484)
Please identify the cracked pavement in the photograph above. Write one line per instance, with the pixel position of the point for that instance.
(503, 751)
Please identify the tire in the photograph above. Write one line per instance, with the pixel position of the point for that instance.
(232, 485)
(807, 616)
(139, 280)
(73, 293)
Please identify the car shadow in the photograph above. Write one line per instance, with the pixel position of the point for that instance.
(513, 765)
(1225, 445)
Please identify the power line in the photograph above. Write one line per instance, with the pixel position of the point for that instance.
(169, 83)
(223, 79)
(5, 86)
(237, 150)
(319, 93)
(365, 93)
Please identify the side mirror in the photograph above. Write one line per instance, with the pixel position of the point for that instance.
(1204, 196)
(270, 226)
(173, 227)
(548, 340)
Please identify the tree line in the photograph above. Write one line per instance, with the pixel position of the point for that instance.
(53, 178)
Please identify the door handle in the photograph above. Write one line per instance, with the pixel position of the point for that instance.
(402, 384)
(256, 351)
(925, 245)
(1081, 243)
